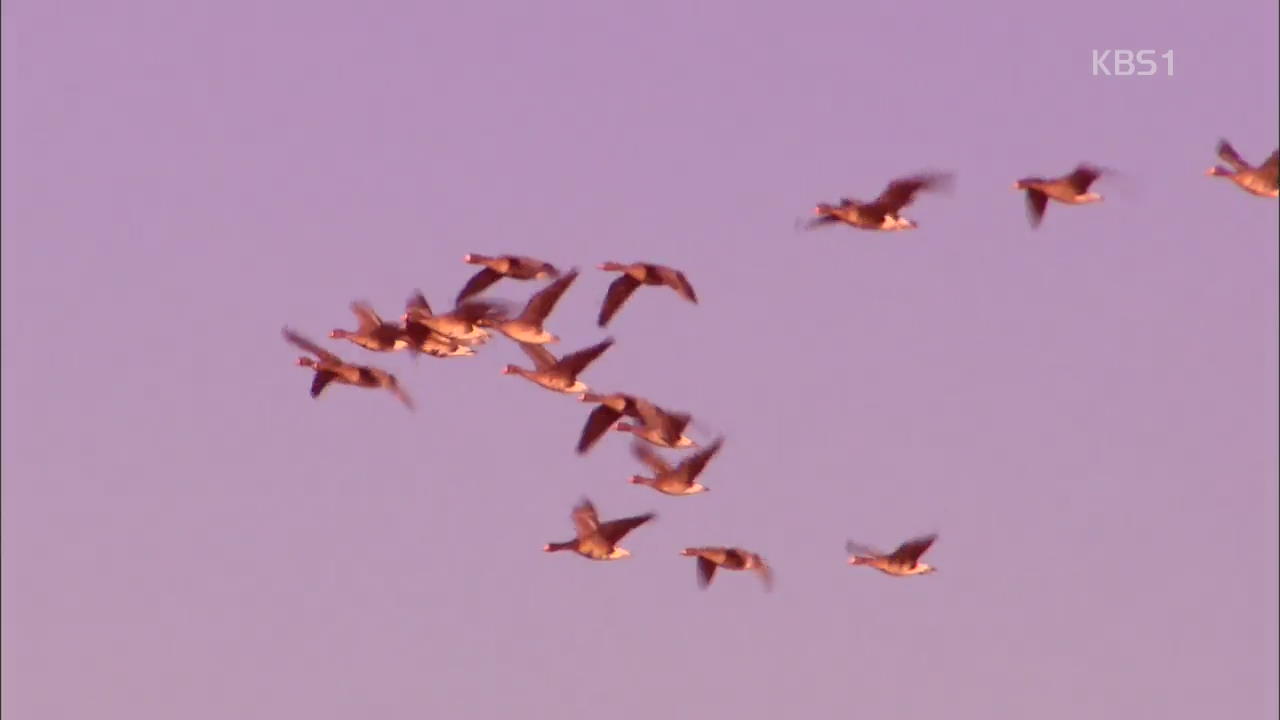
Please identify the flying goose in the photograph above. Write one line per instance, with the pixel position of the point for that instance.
(729, 558)
(1071, 189)
(883, 213)
(1260, 181)
(373, 333)
(331, 368)
(558, 375)
(633, 276)
(515, 267)
(596, 540)
(679, 480)
(901, 562)
(527, 327)
(659, 426)
(458, 324)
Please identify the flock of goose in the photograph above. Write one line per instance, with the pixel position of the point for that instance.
(468, 325)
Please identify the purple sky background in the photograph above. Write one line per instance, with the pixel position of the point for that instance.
(1086, 413)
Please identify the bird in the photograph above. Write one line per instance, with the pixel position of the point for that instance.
(527, 326)
(729, 558)
(1260, 181)
(883, 213)
(679, 480)
(608, 410)
(901, 562)
(558, 375)
(458, 324)
(331, 368)
(516, 267)
(596, 540)
(658, 426)
(1071, 189)
(633, 276)
(373, 333)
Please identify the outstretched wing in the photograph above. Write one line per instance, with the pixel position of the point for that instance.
(477, 284)
(899, 193)
(1270, 168)
(585, 520)
(706, 571)
(1036, 204)
(600, 420)
(853, 548)
(614, 530)
(695, 463)
(1082, 177)
(910, 551)
(542, 302)
(320, 381)
(1229, 156)
(417, 305)
(576, 362)
(369, 319)
(619, 290)
(298, 341)
(541, 357)
(644, 454)
(677, 281)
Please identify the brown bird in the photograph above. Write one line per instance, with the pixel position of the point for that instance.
(901, 562)
(710, 558)
(516, 267)
(679, 480)
(373, 333)
(331, 368)
(458, 324)
(558, 375)
(633, 276)
(883, 213)
(658, 426)
(527, 327)
(610, 408)
(597, 540)
(1260, 181)
(1070, 189)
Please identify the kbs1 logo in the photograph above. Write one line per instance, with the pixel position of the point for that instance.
(1124, 63)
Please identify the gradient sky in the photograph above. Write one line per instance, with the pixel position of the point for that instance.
(1086, 413)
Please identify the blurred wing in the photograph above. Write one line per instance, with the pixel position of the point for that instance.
(300, 342)
(1036, 202)
(899, 193)
(696, 462)
(1271, 167)
(585, 520)
(367, 317)
(706, 571)
(1082, 177)
(321, 381)
(477, 284)
(619, 290)
(542, 302)
(400, 393)
(766, 576)
(541, 357)
(600, 420)
(417, 305)
(474, 310)
(910, 551)
(1229, 156)
(614, 530)
(676, 280)
(576, 362)
(853, 548)
(650, 458)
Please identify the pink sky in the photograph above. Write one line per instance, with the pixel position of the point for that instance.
(1086, 413)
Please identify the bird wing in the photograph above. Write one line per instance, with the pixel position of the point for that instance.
(669, 425)
(305, 344)
(766, 574)
(677, 281)
(854, 548)
(619, 290)
(910, 551)
(576, 362)
(706, 571)
(1229, 156)
(542, 302)
(477, 284)
(417, 305)
(695, 463)
(1082, 177)
(1037, 201)
(369, 319)
(585, 520)
(614, 530)
(600, 419)
(1270, 168)
(320, 381)
(899, 193)
(473, 310)
(394, 386)
(644, 454)
(541, 357)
